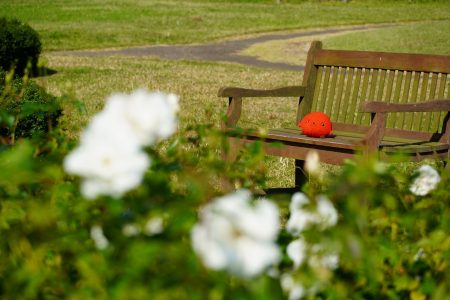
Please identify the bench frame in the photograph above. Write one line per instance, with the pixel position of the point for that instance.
(369, 139)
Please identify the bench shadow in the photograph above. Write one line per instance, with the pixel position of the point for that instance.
(281, 196)
(44, 71)
(278, 191)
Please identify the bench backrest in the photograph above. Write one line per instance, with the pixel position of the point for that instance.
(338, 81)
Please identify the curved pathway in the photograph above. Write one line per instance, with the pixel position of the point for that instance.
(222, 51)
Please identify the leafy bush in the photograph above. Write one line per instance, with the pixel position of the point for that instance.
(171, 231)
(26, 109)
(20, 45)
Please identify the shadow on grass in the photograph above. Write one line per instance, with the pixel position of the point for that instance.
(44, 71)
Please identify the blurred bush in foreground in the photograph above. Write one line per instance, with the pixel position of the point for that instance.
(144, 214)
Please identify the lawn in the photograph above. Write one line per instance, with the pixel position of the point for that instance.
(432, 37)
(100, 24)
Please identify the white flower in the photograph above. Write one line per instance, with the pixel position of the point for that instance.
(154, 226)
(322, 259)
(324, 216)
(110, 157)
(100, 241)
(426, 181)
(312, 163)
(150, 116)
(130, 230)
(301, 219)
(109, 127)
(141, 118)
(236, 235)
(419, 255)
(330, 261)
(298, 201)
(295, 290)
(296, 250)
(107, 170)
(326, 212)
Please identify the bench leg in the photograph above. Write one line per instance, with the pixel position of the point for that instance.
(229, 155)
(300, 174)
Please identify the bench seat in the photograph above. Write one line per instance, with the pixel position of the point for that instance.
(341, 141)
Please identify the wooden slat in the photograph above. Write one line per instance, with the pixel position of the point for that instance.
(289, 91)
(448, 87)
(373, 83)
(390, 132)
(331, 93)
(350, 106)
(396, 98)
(318, 89)
(440, 95)
(433, 84)
(336, 142)
(392, 136)
(339, 91)
(422, 97)
(360, 118)
(400, 121)
(442, 81)
(380, 88)
(353, 97)
(419, 147)
(349, 141)
(389, 85)
(384, 60)
(425, 106)
(324, 93)
(430, 123)
(412, 99)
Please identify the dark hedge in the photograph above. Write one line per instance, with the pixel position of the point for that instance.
(19, 44)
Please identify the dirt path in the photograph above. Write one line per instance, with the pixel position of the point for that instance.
(222, 51)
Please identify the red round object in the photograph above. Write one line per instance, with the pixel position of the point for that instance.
(316, 124)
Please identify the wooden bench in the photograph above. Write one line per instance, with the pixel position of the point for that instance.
(378, 102)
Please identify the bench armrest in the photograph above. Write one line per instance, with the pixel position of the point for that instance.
(288, 91)
(379, 110)
(235, 96)
(429, 106)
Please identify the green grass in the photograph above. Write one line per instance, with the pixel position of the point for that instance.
(197, 83)
(99, 24)
(428, 37)
(91, 80)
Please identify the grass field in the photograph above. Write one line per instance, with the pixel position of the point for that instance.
(432, 37)
(100, 24)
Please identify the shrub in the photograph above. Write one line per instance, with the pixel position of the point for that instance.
(373, 231)
(26, 109)
(19, 45)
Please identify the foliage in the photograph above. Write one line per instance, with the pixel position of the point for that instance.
(378, 240)
(46, 226)
(20, 46)
(392, 243)
(26, 109)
